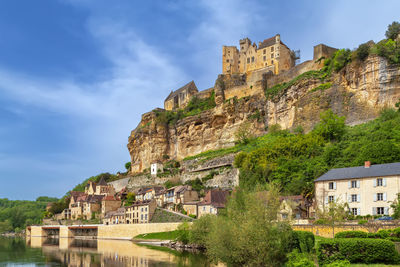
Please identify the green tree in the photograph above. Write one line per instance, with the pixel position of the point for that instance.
(396, 207)
(333, 213)
(393, 30)
(128, 166)
(243, 135)
(362, 51)
(331, 127)
(130, 198)
(249, 234)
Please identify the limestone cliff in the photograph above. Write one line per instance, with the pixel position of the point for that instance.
(359, 92)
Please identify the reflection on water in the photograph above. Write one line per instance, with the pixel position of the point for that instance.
(77, 252)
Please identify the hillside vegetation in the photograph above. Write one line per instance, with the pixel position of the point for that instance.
(294, 159)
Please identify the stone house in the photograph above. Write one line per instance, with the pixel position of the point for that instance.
(213, 202)
(140, 211)
(102, 188)
(90, 188)
(109, 203)
(190, 208)
(180, 98)
(91, 206)
(178, 196)
(271, 54)
(295, 207)
(367, 190)
(115, 217)
(148, 193)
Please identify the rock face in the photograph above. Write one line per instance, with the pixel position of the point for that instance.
(359, 92)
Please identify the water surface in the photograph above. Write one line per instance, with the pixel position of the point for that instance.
(40, 251)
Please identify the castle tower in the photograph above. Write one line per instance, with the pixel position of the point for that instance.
(230, 58)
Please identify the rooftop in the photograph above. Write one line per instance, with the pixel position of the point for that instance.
(388, 169)
(188, 86)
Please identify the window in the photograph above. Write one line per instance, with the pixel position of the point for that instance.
(379, 196)
(353, 184)
(248, 60)
(141, 217)
(252, 59)
(354, 198)
(242, 47)
(264, 58)
(204, 208)
(332, 185)
(264, 51)
(145, 217)
(380, 210)
(272, 55)
(354, 211)
(142, 210)
(272, 49)
(239, 61)
(227, 61)
(379, 182)
(272, 61)
(331, 199)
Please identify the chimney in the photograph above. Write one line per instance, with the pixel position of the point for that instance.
(367, 164)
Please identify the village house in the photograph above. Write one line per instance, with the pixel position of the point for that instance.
(178, 196)
(109, 203)
(91, 206)
(213, 202)
(271, 55)
(295, 207)
(115, 217)
(368, 189)
(148, 193)
(181, 97)
(140, 211)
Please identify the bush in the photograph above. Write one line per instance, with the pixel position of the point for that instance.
(331, 127)
(341, 58)
(200, 230)
(388, 49)
(362, 51)
(362, 222)
(303, 241)
(183, 233)
(357, 250)
(296, 259)
(352, 234)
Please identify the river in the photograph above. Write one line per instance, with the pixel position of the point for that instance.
(40, 251)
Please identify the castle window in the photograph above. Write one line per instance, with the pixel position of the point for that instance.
(272, 61)
(265, 58)
(242, 47)
(248, 60)
(252, 59)
(264, 51)
(272, 49)
(227, 61)
(272, 55)
(239, 61)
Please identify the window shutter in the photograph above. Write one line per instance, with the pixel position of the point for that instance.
(349, 184)
(375, 182)
(384, 196)
(375, 197)
(384, 181)
(334, 185)
(358, 211)
(326, 200)
(349, 198)
(334, 198)
(358, 198)
(386, 211)
(374, 211)
(358, 184)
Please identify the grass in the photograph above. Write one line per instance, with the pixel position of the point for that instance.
(172, 235)
(372, 265)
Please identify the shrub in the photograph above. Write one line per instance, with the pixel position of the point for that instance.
(388, 49)
(362, 52)
(322, 87)
(362, 222)
(331, 127)
(303, 241)
(352, 234)
(357, 250)
(128, 166)
(183, 233)
(296, 259)
(200, 230)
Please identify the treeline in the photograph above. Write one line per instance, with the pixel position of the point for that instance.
(15, 215)
(294, 159)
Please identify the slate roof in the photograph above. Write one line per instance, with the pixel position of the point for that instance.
(102, 182)
(361, 172)
(187, 86)
(267, 42)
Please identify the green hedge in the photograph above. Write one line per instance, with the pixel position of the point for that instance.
(303, 241)
(357, 250)
(389, 234)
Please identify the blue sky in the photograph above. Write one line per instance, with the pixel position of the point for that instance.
(76, 75)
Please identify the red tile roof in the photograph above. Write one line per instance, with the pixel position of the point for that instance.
(216, 198)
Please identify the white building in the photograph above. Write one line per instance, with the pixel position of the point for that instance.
(368, 189)
(156, 167)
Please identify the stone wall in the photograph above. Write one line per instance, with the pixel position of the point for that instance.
(120, 184)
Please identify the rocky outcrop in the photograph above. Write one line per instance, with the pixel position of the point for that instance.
(358, 92)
